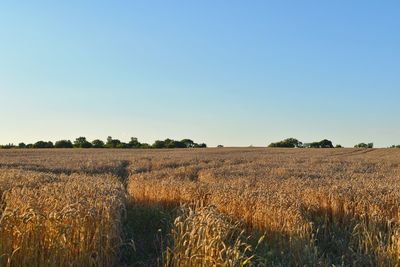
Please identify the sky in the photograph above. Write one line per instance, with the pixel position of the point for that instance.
(235, 73)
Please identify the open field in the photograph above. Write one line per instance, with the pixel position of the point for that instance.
(200, 207)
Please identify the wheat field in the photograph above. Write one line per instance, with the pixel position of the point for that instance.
(200, 207)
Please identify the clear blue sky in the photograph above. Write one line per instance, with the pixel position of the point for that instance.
(221, 72)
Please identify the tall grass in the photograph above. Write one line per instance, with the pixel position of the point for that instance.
(317, 208)
(202, 236)
(333, 207)
(70, 221)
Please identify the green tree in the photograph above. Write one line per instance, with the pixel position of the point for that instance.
(8, 146)
(122, 145)
(112, 143)
(201, 145)
(314, 145)
(109, 140)
(145, 145)
(21, 145)
(321, 144)
(97, 143)
(188, 142)
(63, 144)
(169, 143)
(288, 142)
(325, 144)
(43, 144)
(158, 144)
(81, 142)
(178, 144)
(134, 142)
(361, 145)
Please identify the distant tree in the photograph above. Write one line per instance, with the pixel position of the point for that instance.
(169, 143)
(201, 145)
(364, 145)
(180, 144)
(273, 144)
(134, 143)
(288, 142)
(122, 145)
(325, 144)
(338, 146)
(321, 144)
(112, 143)
(50, 144)
(174, 144)
(97, 143)
(188, 142)
(145, 145)
(8, 146)
(43, 144)
(81, 142)
(158, 144)
(115, 142)
(21, 145)
(314, 145)
(63, 144)
(109, 140)
(220, 146)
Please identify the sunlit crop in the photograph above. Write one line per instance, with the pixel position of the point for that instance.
(205, 207)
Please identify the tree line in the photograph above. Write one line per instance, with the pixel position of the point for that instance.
(293, 142)
(82, 142)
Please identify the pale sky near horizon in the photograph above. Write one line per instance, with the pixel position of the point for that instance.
(236, 73)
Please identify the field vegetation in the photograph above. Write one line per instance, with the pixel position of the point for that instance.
(200, 207)
(82, 142)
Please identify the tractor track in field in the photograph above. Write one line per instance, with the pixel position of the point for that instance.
(354, 152)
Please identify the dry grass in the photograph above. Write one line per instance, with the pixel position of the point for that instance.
(316, 207)
(60, 220)
(202, 236)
